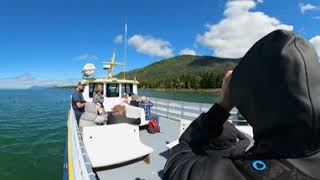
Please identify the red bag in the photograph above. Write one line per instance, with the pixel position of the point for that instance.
(153, 127)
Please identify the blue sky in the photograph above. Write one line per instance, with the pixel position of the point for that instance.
(48, 42)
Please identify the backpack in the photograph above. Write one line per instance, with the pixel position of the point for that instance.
(153, 127)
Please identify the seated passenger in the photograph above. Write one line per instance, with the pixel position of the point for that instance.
(90, 116)
(98, 95)
(135, 100)
(146, 104)
(276, 88)
(119, 116)
(124, 99)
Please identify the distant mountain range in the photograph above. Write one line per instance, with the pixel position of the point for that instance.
(41, 87)
(184, 71)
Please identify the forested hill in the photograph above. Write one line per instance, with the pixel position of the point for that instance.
(185, 71)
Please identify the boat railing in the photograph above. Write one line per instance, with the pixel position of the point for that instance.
(177, 110)
(79, 163)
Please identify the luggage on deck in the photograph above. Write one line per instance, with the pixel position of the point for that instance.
(153, 126)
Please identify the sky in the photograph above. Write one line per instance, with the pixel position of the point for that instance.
(48, 42)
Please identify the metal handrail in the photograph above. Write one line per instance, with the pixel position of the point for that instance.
(177, 110)
(81, 165)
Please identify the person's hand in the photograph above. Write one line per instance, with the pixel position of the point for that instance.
(226, 101)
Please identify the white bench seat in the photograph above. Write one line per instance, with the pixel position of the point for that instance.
(136, 112)
(113, 144)
(184, 124)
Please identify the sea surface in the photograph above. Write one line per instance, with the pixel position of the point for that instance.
(33, 130)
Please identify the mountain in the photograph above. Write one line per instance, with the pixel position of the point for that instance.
(184, 71)
(36, 87)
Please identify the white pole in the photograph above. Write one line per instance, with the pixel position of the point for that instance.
(125, 49)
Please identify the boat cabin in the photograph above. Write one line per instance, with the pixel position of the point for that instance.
(113, 90)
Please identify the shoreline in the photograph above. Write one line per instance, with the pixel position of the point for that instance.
(213, 90)
(200, 90)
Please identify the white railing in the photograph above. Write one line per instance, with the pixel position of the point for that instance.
(177, 110)
(81, 166)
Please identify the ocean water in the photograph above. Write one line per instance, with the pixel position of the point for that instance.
(32, 133)
(33, 130)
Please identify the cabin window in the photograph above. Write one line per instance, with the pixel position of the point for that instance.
(112, 90)
(127, 88)
(92, 87)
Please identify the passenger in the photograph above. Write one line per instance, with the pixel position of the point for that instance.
(119, 116)
(276, 88)
(77, 101)
(124, 99)
(146, 104)
(90, 117)
(98, 95)
(135, 100)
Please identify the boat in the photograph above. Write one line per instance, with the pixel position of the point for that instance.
(123, 151)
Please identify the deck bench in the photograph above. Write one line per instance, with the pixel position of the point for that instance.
(114, 144)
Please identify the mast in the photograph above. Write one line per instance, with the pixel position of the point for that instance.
(125, 49)
(108, 66)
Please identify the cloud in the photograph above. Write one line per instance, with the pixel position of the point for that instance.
(316, 17)
(87, 57)
(25, 81)
(239, 30)
(187, 51)
(316, 43)
(118, 39)
(151, 46)
(307, 7)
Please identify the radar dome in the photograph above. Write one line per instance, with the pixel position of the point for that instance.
(88, 70)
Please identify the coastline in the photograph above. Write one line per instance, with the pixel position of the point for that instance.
(200, 90)
(214, 90)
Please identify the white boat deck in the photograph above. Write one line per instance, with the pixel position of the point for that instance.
(140, 170)
(171, 112)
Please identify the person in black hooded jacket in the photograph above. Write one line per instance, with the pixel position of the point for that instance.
(276, 87)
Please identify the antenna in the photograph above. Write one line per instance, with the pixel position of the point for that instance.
(125, 49)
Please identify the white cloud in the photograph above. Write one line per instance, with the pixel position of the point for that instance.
(307, 7)
(151, 46)
(316, 43)
(187, 51)
(87, 57)
(25, 81)
(239, 29)
(118, 39)
(316, 17)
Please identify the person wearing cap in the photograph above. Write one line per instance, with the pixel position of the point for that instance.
(276, 87)
(78, 103)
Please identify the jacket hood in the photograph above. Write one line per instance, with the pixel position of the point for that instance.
(90, 107)
(276, 87)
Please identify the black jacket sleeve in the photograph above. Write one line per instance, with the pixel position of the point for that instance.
(135, 121)
(207, 126)
(112, 119)
(189, 157)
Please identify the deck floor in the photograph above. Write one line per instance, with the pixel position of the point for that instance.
(140, 170)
